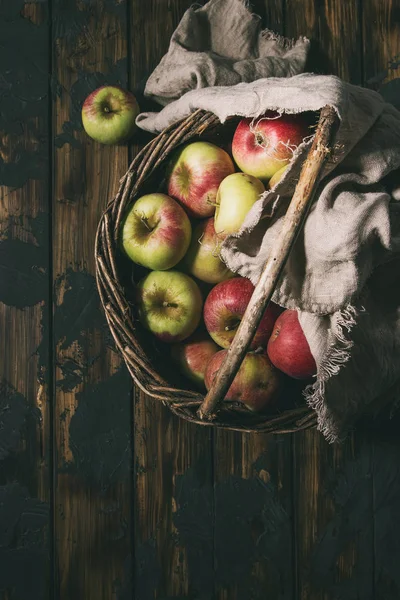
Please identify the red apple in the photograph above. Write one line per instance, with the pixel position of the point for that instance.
(257, 383)
(262, 146)
(288, 348)
(194, 175)
(224, 308)
(202, 258)
(193, 356)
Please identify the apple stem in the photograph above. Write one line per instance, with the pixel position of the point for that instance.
(145, 223)
(169, 304)
(212, 203)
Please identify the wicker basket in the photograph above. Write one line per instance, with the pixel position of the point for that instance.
(144, 356)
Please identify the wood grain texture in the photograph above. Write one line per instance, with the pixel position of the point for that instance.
(218, 515)
(334, 552)
(25, 397)
(254, 537)
(272, 14)
(334, 518)
(93, 391)
(173, 460)
(174, 506)
(334, 29)
(381, 40)
(386, 502)
(381, 48)
(381, 33)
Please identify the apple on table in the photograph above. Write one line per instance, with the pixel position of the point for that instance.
(224, 308)
(169, 305)
(194, 174)
(109, 114)
(264, 145)
(257, 383)
(156, 232)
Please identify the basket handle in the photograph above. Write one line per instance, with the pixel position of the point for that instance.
(292, 223)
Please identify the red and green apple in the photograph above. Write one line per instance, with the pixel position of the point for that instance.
(156, 232)
(109, 114)
(257, 384)
(224, 308)
(194, 175)
(262, 146)
(202, 260)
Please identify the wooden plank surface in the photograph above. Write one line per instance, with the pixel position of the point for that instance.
(145, 505)
(173, 459)
(25, 376)
(254, 537)
(381, 48)
(334, 523)
(93, 423)
(334, 29)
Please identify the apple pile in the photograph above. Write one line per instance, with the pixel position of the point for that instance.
(188, 297)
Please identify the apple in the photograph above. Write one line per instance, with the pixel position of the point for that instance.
(156, 232)
(236, 195)
(288, 348)
(257, 383)
(194, 174)
(202, 259)
(224, 308)
(277, 177)
(193, 356)
(169, 304)
(262, 146)
(109, 113)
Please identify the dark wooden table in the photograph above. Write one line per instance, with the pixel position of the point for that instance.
(103, 493)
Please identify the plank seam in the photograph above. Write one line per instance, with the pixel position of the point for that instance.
(51, 373)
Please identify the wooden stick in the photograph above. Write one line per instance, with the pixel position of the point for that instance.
(292, 223)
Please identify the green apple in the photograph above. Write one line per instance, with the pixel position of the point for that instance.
(236, 195)
(109, 114)
(202, 259)
(277, 177)
(156, 232)
(169, 304)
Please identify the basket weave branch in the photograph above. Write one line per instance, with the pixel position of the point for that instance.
(143, 359)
